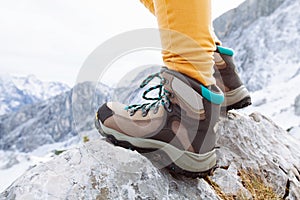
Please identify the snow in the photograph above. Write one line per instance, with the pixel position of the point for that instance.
(295, 132)
(277, 102)
(16, 92)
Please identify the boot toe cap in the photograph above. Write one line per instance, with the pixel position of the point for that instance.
(104, 112)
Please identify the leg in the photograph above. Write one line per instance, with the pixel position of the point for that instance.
(149, 5)
(187, 37)
(236, 94)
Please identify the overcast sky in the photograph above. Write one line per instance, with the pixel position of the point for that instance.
(52, 38)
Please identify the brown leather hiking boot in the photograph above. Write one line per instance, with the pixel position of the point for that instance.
(236, 94)
(179, 124)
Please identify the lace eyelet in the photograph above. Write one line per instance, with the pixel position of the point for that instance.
(131, 113)
(155, 111)
(167, 103)
(144, 113)
(168, 107)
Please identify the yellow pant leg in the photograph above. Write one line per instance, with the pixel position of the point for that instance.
(187, 36)
(149, 4)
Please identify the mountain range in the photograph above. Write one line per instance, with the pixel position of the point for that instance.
(16, 92)
(53, 120)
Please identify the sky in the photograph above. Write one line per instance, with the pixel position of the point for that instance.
(52, 38)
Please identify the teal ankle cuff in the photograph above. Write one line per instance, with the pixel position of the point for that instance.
(215, 98)
(224, 50)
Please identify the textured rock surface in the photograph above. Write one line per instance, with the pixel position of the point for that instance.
(229, 181)
(100, 170)
(256, 143)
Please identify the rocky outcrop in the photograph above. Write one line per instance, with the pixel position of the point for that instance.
(98, 170)
(256, 143)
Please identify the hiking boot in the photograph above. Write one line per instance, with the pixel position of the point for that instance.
(179, 124)
(236, 94)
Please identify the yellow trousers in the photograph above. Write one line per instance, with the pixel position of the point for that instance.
(187, 38)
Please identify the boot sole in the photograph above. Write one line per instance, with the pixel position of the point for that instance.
(237, 99)
(162, 154)
(239, 105)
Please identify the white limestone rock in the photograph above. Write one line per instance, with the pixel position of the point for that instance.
(98, 170)
(255, 142)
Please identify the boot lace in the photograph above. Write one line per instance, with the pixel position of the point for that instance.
(163, 97)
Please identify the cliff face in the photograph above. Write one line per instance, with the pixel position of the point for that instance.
(234, 21)
(98, 170)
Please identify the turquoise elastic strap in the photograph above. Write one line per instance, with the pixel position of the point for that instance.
(211, 96)
(226, 51)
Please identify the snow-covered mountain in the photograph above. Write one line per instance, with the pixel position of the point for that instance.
(16, 92)
(54, 120)
(266, 37)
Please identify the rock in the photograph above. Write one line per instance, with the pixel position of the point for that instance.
(98, 170)
(229, 181)
(260, 145)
